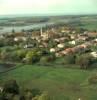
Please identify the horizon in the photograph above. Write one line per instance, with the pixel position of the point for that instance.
(42, 15)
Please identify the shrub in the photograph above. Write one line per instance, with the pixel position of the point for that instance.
(69, 59)
(47, 59)
(35, 92)
(44, 96)
(93, 79)
(33, 56)
(29, 94)
(21, 54)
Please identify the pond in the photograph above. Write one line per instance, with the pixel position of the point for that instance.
(5, 67)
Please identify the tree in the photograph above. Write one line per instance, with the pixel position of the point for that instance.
(13, 56)
(44, 59)
(13, 31)
(33, 56)
(23, 30)
(35, 92)
(28, 94)
(1, 42)
(21, 54)
(4, 55)
(84, 61)
(9, 41)
(11, 86)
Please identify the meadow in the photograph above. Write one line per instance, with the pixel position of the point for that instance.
(61, 83)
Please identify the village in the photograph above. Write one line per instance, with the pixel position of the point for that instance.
(59, 41)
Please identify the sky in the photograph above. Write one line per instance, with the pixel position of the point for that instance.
(46, 7)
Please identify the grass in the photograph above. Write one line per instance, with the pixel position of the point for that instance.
(61, 83)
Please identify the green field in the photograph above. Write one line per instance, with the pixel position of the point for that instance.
(89, 25)
(61, 83)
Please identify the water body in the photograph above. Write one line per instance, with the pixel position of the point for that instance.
(7, 29)
(6, 67)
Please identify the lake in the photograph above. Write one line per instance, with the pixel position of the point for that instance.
(7, 29)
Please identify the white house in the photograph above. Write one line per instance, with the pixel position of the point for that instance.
(95, 40)
(16, 39)
(94, 54)
(60, 45)
(72, 42)
(1, 89)
(52, 50)
(20, 38)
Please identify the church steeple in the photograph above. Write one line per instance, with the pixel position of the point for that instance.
(41, 31)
